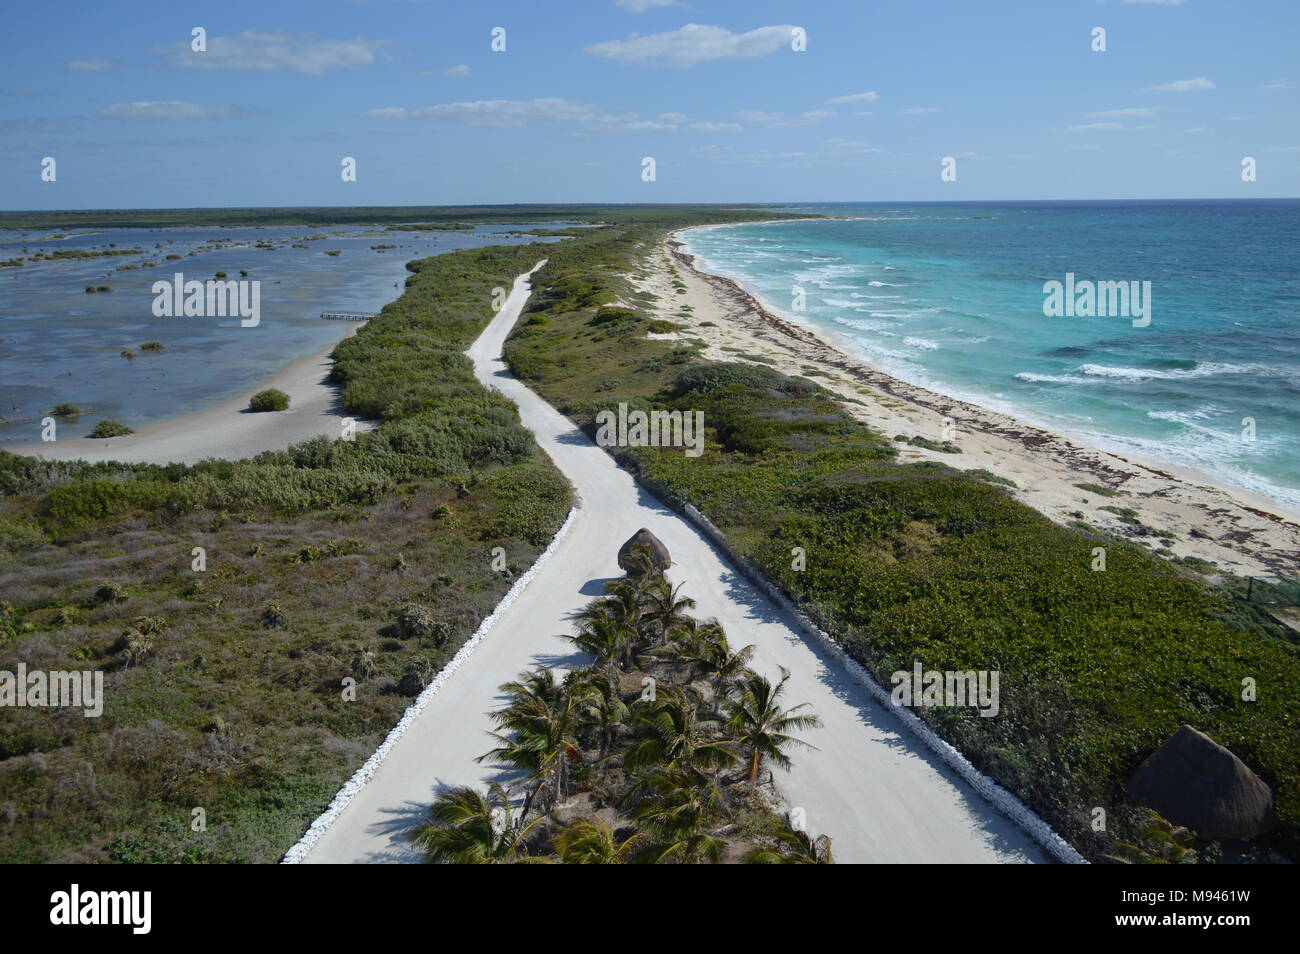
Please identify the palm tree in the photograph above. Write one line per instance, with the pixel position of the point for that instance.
(793, 847)
(704, 651)
(591, 841)
(671, 732)
(620, 608)
(761, 727)
(676, 806)
(465, 828)
(665, 607)
(601, 707)
(603, 637)
(538, 727)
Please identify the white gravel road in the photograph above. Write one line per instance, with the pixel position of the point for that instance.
(876, 790)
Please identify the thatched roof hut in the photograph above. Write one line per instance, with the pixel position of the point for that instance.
(643, 538)
(1193, 781)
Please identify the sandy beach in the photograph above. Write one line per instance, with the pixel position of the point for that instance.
(1240, 532)
(229, 430)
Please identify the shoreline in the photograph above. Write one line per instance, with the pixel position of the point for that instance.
(228, 430)
(1239, 530)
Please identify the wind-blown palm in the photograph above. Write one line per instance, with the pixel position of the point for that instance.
(665, 607)
(676, 806)
(604, 637)
(794, 848)
(591, 841)
(670, 732)
(761, 727)
(620, 608)
(465, 828)
(538, 728)
(600, 706)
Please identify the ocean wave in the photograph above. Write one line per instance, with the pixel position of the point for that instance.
(1208, 370)
(875, 284)
(1054, 378)
(923, 344)
(862, 324)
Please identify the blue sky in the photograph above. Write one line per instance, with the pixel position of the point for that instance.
(585, 89)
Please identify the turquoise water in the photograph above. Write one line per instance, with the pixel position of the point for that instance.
(59, 344)
(951, 297)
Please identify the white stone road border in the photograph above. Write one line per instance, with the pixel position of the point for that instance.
(299, 851)
(1004, 801)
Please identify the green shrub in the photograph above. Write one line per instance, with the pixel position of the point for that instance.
(85, 501)
(109, 427)
(66, 410)
(271, 399)
(108, 593)
(274, 616)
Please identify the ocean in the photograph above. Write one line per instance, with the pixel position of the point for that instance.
(951, 297)
(60, 344)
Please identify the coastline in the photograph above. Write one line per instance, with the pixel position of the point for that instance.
(228, 430)
(1238, 530)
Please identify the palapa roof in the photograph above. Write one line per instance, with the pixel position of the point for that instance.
(652, 544)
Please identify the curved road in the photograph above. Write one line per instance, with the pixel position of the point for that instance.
(878, 792)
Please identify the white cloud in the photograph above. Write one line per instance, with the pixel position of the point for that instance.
(1137, 112)
(93, 64)
(1199, 129)
(1280, 84)
(641, 6)
(1183, 86)
(844, 147)
(715, 127)
(506, 113)
(458, 70)
(1096, 127)
(498, 113)
(868, 97)
(261, 52)
(768, 118)
(918, 111)
(173, 109)
(694, 44)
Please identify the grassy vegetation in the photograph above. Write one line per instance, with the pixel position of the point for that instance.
(653, 754)
(1101, 490)
(367, 559)
(910, 562)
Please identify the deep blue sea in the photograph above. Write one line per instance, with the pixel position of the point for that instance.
(951, 297)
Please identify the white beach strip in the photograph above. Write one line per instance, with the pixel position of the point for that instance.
(229, 430)
(299, 851)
